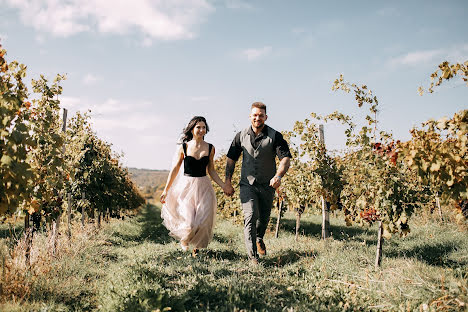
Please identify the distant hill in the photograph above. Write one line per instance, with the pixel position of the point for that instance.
(150, 182)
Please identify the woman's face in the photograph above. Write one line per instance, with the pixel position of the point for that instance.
(199, 130)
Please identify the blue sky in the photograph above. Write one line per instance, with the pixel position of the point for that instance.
(146, 67)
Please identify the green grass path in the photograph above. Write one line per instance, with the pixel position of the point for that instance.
(133, 265)
(147, 270)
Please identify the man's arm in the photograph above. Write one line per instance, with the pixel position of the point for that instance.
(283, 153)
(233, 155)
(283, 167)
(230, 166)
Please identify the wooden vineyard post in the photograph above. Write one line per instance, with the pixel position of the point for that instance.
(280, 205)
(299, 212)
(298, 224)
(325, 212)
(56, 222)
(28, 239)
(99, 219)
(378, 256)
(82, 209)
(438, 206)
(69, 200)
(55, 229)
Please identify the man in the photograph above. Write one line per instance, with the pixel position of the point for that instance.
(258, 144)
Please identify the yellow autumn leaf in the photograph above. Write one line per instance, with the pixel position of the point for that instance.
(435, 166)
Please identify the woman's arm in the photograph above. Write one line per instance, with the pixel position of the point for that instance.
(212, 171)
(172, 175)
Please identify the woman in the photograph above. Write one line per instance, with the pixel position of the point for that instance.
(189, 201)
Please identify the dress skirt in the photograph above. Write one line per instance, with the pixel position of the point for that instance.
(189, 211)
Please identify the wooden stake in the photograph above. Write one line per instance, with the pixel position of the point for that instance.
(438, 206)
(298, 224)
(325, 212)
(280, 205)
(99, 219)
(378, 255)
(28, 240)
(69, 200)
(82, 209)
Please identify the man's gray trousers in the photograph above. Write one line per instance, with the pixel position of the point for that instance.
(257, 200)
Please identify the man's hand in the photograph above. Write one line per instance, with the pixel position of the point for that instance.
(228, 189)
(275, 182)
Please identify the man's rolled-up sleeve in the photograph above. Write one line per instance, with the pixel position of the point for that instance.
(235, 150)
(281, 146)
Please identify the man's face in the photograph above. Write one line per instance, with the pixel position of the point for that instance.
(258, 117)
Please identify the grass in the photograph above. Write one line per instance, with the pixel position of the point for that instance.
(133, 265)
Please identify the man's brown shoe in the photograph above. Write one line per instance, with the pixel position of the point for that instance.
(261, 247)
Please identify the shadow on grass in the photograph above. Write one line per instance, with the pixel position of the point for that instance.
(338, 232)
(432, 254)
(221, 238)
(152, 226)
(287, 257)
(152, 229)
(15, 232)
(223, 255)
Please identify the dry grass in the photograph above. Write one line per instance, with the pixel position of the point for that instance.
(53, 275)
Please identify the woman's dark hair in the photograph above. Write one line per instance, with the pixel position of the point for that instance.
(187, 132)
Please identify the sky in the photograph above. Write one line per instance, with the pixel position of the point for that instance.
(145, 67)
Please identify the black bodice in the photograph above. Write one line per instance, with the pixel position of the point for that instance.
(195, 167)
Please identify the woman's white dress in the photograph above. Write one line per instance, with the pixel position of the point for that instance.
(189, 211)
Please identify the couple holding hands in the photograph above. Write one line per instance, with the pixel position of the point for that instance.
(189, 200)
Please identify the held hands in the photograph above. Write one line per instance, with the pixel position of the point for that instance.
(275, 182)
(228, 189)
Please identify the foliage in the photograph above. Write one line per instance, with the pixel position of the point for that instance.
(447, 72)
(35, 167)
(376, 187)
(46, 158)
(314, 173)
(15, 142)
(438, 151)
(439, 154)
(96, 172)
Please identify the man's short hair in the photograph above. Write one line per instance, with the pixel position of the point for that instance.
(259, 105)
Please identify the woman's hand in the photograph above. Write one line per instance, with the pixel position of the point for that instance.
(228, 189)
(163, 197)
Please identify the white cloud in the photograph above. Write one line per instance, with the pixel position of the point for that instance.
(114, 114)
(416, 58)
(254, 54)
(90, 79)
(164, 19)
(110, 106)
(452, 54)
(74, 103)
(238, 4)
(458, 54)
